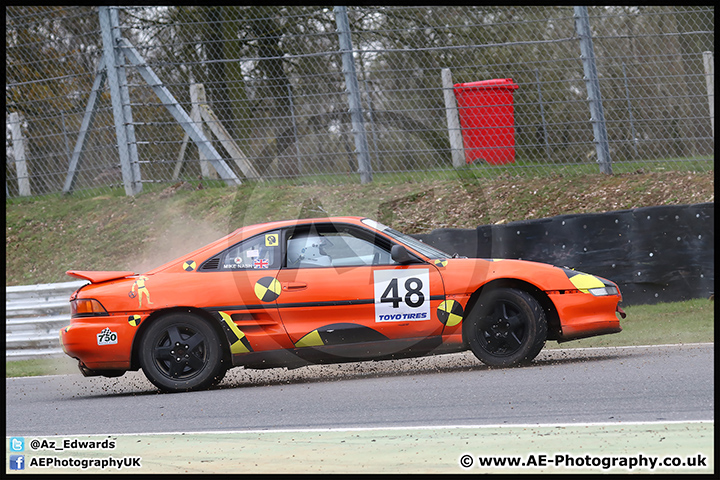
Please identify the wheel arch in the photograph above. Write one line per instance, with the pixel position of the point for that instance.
(551, 315)
(198, 312)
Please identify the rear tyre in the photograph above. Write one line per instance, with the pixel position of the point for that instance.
(506, 327)
(181, 352)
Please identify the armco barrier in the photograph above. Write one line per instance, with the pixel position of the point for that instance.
(655, 254)
(34, 316)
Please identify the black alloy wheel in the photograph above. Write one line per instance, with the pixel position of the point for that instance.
(507, 327)
(181, 352)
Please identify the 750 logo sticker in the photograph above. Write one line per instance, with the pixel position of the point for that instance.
(402, 295)
(106, 337)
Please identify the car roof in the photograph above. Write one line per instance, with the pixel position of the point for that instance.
(303, 221)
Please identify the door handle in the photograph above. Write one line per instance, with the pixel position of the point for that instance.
(294, 285)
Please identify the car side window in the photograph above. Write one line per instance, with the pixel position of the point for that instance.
(333, 249)
(259, 252)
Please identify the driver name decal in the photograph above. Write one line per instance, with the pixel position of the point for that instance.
(402, 295)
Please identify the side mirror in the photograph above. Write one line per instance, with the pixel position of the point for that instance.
(400, 255)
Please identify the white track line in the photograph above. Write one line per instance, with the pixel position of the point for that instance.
(378, 429)
(628, 347)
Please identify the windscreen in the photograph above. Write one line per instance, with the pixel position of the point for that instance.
(417, 245)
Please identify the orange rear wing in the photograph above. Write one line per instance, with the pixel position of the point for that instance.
(98, 276)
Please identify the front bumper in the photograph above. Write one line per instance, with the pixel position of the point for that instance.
(584, 315)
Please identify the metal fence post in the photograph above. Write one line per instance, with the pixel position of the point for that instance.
(18, 143)
(709, 63)
(112, 61)
(295, 130)
(351, 83)
(597, 117)
(373, 127)
(457, 148)
(125, 98)
(196, 92)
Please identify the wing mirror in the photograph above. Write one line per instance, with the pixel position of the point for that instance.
(400, 255)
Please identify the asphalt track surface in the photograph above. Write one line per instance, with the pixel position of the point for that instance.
(415, 415)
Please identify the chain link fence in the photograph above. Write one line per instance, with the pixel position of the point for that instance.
(102, 98)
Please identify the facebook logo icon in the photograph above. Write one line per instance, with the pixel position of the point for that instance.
(17, 462)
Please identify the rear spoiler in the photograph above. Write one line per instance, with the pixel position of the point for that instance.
(97, 276)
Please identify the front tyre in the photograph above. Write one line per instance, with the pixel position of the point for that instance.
(506, 327)
(181, 352)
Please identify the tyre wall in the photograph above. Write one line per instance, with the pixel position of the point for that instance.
(655, 254)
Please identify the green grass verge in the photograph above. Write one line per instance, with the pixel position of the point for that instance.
(691, 321)
(41, 366)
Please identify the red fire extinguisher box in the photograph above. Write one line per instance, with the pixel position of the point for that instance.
(487, 119)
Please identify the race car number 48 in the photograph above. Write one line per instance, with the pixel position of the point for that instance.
(402, 295)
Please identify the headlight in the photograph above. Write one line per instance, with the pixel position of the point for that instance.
(602, 291)
(587, 283)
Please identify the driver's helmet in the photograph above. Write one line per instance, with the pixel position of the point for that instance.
(307, 250)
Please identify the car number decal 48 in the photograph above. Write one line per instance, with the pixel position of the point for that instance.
(402, 295)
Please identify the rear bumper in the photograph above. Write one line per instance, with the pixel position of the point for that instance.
(99, 343)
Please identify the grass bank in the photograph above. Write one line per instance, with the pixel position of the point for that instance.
(47, 236)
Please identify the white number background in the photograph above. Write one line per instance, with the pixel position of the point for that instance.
(386, 312)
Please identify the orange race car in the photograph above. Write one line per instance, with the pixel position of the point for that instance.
(324, 290)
